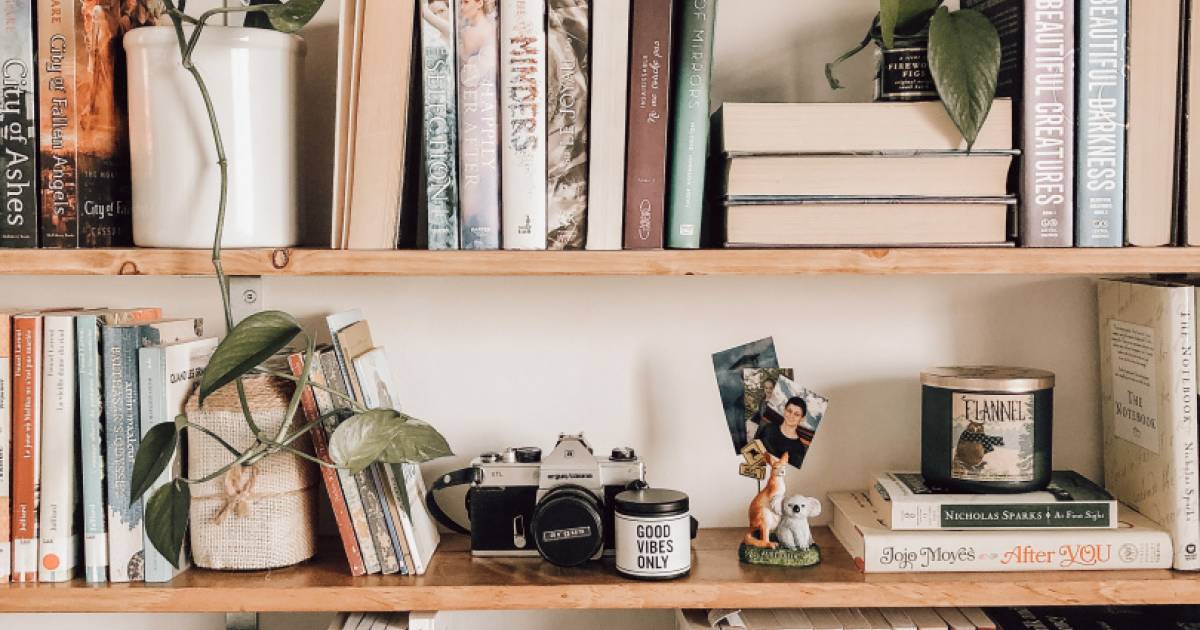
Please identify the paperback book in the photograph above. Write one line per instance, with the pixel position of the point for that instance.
(649, 121)
(479, 123)
(26, 448)
(690, 125)
(606, 151)
(18, 126)
(440, 123)
(58, 544)
(568, 38)
(904, 502)
(6, 417)
(523, 123)
(1100, 119)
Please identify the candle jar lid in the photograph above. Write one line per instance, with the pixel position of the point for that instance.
(651, 502)
(989, 378)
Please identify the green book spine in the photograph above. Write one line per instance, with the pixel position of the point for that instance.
(1047, 516)
(689, 137)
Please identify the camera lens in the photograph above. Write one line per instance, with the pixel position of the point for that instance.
(567, 527)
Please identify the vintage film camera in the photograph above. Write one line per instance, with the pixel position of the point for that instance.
(559, 506)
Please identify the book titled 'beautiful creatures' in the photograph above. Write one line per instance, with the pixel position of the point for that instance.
(1100, 139)
(1038, 68)
(649, 122)
(18, 126)
(479, 123)
(523, 122)
(568, 38)
(440, 131)
(693, 75)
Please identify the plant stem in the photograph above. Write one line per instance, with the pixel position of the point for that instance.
(229, 447)
(354, 404)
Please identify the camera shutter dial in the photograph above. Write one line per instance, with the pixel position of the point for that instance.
(567, 526)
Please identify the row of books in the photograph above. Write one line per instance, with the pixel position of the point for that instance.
(542, 124)
(1010, 618)
(64, 144)
(416, 620)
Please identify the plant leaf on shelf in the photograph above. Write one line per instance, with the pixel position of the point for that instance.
(385, 435)
(258, 19)
(167, 519)
(292, 16)
(964, 58)
(250, 343)
(153, 457)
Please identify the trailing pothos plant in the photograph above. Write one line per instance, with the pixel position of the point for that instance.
(362, 438)
(964, 55)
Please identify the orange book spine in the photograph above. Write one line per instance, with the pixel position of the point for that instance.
(27, 375)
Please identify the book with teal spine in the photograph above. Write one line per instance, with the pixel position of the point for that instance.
(440, 131)
(690, 123)
(1102, 60)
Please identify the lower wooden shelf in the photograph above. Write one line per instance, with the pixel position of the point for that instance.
(456, 581)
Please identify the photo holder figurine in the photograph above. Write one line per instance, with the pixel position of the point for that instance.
(779, 532)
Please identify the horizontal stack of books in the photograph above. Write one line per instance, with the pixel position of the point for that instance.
(904, 526)
(1010, 618)
(415, 620)
(823, 175)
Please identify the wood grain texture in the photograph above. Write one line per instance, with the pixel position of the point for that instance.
(326, 262)
(456, 581)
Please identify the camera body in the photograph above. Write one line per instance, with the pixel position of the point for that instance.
(559, 506)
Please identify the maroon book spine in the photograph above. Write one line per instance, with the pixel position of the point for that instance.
(649, 123)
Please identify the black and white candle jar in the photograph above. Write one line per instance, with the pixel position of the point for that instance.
(653, 530)
(986, 428)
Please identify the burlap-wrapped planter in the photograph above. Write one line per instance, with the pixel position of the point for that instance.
(253, 517)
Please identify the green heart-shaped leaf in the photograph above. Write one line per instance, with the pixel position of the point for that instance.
(167, 519)
(153, 457)
(250, 343)
(964, 58)
(385, 435)
(292, 16)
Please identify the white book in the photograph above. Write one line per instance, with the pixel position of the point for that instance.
(851, 619)
(761, 619)
(955, 619)
(1148, 405)
(422, 619)
(926, 619)
(59, 537)
(875, 619)
(166, 376)
(389, 621)
(824, 619)
(980, 619)
(1137, 544)
(899, 618)
(794, 619)
(610, 86)
(350, 621)
(523, 123)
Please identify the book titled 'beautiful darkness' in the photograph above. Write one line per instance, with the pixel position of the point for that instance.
(1100, 103)
(18, 126)
(649, 122)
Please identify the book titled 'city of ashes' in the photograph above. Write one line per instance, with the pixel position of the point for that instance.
(18, 126)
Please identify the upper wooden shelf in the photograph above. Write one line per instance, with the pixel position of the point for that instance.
(325, 262)
(458, 582)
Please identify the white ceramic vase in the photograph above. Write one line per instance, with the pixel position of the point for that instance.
(253, 76)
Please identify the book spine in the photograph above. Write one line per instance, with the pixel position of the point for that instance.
(568, 40)
(27, 408)
(58, 113)
(1186, 466)
(59, 539)
(1047, 161)
(152, 401)
(523, 123)
(478, 124)
(18, 120)
(396, 505)
(1003, 516)
(440, 123)
(1100, 124)
(91, 389)
(122, 437)
(423, 531)
(649, 120)
(333, 486)
(690, 125)
(6, 417)
(606, 159)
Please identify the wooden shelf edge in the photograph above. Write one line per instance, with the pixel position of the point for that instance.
(325, 262)
(458, 582)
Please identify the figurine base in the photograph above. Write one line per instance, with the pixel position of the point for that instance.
(780, 557)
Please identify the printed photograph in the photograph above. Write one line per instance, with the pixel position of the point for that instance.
(791, 420)
(758, 385)
(728, 366)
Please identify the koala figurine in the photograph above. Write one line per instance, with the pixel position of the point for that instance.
(793, 531)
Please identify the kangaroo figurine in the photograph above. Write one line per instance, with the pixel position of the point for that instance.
(767, 506)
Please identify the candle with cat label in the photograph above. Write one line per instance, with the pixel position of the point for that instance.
(653, 532)
(986, 428)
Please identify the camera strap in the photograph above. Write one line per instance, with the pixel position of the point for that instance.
(459, 477)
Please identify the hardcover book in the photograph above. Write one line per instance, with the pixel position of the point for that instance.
(690, 125)
(167, 374)
(649, 121)
(440, 123)
(1147, 335)
(26, 443)
(18, 127)
(89, 362)
(6, 442)
(479, 123)
(523, 123)
(568, 37)
(1136, 544)
(1100, 124)
(1037, 69)
(904, 502)
(610, 105)
(58, 544)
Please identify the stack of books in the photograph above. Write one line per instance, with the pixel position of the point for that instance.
(903, 525)
(830, 174)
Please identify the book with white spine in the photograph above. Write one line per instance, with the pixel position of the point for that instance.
(1137, 544)
(523, 123)
(610, 88)
(58, 537)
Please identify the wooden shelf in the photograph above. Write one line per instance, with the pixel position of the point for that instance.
(458, 582)
(324, 262)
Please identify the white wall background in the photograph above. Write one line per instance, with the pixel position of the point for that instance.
(512, 361)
